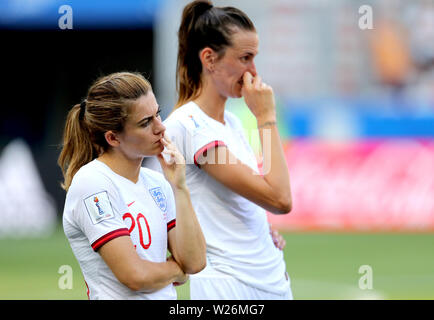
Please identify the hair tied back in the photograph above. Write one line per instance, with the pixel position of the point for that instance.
(202, 7)
(82, 109)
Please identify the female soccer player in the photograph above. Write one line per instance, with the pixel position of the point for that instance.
(217, 47)
(119, 218)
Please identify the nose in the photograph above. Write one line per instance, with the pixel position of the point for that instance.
(159, 127)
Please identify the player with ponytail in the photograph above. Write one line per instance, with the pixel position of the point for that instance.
(217, 47)
(120, 219)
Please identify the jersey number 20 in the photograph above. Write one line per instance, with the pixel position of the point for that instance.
(133, 225)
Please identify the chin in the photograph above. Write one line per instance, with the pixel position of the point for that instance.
(159, 149)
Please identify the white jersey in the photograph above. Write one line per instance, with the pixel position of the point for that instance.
(102, 205)
(236, 230)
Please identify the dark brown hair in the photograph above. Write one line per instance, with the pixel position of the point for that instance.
(106, 108)
(203, 25)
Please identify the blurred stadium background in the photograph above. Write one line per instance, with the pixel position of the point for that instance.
(356, 113)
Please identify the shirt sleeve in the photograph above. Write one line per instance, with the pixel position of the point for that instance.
(193, 138)
(98, 212)
(171, 208)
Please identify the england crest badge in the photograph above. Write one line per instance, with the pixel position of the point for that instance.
(159, 198)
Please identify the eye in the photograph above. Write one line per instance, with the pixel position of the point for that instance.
(146, 123)
(149, 120)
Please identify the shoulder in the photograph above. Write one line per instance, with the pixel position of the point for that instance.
(179, 114)
(90, 178)
(92, 171)
(185, 117)
(91, 184)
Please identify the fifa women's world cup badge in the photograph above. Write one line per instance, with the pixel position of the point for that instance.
(98, 207)
(100, 211)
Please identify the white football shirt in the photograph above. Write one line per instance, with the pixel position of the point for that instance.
(236, 230)
(102, 205)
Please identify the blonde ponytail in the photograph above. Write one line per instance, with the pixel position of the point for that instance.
(77, 146)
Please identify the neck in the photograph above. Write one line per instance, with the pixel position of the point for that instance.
(127, 168)
(211, 102)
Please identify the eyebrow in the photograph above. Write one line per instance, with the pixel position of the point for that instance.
(250, 53)
(150, 117)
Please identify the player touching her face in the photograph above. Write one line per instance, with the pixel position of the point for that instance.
(120, 219)
(217, 48)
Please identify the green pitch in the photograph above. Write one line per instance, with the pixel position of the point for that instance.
(321, 266)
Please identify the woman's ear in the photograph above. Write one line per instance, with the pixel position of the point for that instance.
(112, 139)
(207, 56)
